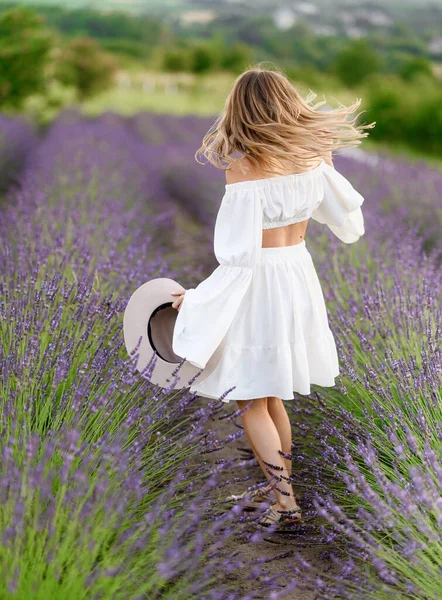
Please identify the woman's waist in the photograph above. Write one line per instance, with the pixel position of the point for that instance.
(284, 235)
(279, 253)
(267, 254)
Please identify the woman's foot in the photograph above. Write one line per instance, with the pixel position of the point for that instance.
(255, 497)
(278, 514)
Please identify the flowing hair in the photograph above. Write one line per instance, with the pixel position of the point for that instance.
(265, 118)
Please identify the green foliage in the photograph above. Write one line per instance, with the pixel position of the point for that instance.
(115, 25)
(405, 39)
(255, 30)
(25, 47)
(125, 47)
(43, 108)
(33, 64)
(86, 67)
(425, 130)
(406, 113)
(202, 58)
(235, 58)
(356, 62)
(306, 77)
(301, 44)
(414, 66)
(175, 59)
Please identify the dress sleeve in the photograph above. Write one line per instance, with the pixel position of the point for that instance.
(207, 311)
(340, 208)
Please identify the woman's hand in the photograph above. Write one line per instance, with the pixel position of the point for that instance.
(178, 301)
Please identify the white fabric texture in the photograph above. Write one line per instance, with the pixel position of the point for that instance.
(279, 341)
(340, 206)
(284, 342)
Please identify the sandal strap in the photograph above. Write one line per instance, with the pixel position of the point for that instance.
(271, 512)
(277, 516)
(295, 509)
(265, 492)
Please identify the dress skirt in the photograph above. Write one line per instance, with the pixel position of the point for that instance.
(279, 341)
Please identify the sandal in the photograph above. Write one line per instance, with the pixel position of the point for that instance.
(255, 497)
(281, 517)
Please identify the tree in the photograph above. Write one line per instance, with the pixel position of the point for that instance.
(174, 60)
(202, 58)
(25, 47)
(235, 58)
(414, 66)
(387, 103)
(86, 66)
(356, 62)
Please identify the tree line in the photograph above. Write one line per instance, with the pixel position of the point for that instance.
(38, 53)
(33, 58)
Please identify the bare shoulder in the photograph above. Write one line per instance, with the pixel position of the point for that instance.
(240, 170)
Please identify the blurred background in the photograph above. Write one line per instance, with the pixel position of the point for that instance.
(181, 57)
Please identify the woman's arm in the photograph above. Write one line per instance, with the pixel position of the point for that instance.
(206, 311)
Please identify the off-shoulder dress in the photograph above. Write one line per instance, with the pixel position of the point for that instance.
(258, 323)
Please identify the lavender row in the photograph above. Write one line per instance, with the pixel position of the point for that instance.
(99, 495)
(378, 467)
(17, 139)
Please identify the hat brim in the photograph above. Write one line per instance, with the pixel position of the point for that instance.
(149, 314)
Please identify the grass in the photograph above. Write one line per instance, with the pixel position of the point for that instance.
(205, 96)
(128, 102)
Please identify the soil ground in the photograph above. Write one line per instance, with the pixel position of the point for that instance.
(301, 538)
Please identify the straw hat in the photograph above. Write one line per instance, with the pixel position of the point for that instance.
(149, 313)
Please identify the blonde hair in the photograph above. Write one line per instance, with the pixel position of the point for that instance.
(265, 118)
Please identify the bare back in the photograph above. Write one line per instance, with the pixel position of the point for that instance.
(288, 235)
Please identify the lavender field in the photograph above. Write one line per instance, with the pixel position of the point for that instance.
(112, 488)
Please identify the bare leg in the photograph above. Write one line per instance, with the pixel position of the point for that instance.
(279, 415)
(261, 430)
(255, 452)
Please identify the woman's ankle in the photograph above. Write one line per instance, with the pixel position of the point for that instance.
(287, 501)
(287, 506)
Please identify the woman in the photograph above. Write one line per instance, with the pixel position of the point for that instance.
(263, 307)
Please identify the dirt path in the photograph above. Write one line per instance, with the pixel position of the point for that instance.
(305, 539)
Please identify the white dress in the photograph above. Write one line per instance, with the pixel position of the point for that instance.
(262, 309)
